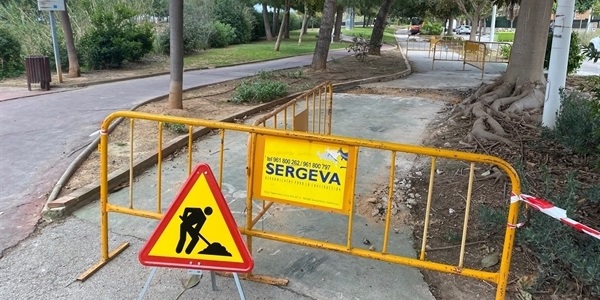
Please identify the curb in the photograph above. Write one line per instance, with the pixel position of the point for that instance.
(67, 204)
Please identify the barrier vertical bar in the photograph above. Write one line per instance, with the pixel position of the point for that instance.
(159, 169)
(313, 111)
(285, 119)
(131, 126)
(388, 214)
(221, 155)
(428, 209)
(466, 222)
(104, 193)
(190, 148)
(483, 60)
(330, 109)
(250, 188)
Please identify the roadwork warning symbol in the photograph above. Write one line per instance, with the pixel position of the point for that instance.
(198, 230)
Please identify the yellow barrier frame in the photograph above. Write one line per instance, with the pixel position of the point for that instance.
(474, 55)
(500, 278)
(318, 100)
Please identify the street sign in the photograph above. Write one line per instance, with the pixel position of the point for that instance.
(305, 173)
(54, 5)
(198, 230)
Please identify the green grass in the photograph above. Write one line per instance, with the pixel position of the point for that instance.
(388, 35)
(505, 36)
(256, 51)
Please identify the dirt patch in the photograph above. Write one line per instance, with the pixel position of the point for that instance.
(487, 209)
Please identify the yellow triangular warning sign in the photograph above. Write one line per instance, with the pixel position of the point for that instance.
(198, 230)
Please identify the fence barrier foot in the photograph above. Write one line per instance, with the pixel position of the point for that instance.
(100, 264)
(259, 278)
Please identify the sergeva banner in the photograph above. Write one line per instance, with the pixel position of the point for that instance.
(306, 173)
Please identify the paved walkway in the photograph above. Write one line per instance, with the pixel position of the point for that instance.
(41, 135)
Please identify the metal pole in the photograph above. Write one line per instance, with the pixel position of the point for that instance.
(55, 45)
(589, 22)
(238, 284)
(147, 284)
(557, 70)
(493, 24)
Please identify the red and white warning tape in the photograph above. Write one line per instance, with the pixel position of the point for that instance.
(555, 212)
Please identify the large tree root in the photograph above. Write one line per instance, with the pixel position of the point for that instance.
(500, 100)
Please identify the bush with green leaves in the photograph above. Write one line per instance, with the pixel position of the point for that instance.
(11, 61)
(115, 37)
(432, 28)
(259, 91)
(505, 51)
(222, 35)
(48, 50)
(564, 255)
(577, 123)
(575, 56)
(237, 15)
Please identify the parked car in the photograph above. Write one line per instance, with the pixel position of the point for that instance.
(595, 44)
(466, 29)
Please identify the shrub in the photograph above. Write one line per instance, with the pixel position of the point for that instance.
(564, 255)
(591, 53)
(11, 61)
(575, 56)
(115, 37)
(238, 16)
(430, 28)
(259, 91)
(48, 50)
(505, 51)
(222, 35)
(577, 123)
(360, 46)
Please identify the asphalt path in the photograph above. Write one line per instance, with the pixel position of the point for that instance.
(41, 135)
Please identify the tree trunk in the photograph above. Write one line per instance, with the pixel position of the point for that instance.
(526, 61)
(319, 61)
(282, 28)
(519, 94)
(287, 20)
(74, 70)
(304, 19)
(364, 21)
(275, 20)
(379, 28)
(265, 14)
(305, 27)
(337, 32)
(176, 48)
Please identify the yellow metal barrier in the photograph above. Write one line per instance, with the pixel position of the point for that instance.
(260, 137)
(420, 43)
(474, 55)
(447, 50)
(497, 52)
(309, 112)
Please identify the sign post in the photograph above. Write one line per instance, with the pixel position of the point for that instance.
(51, 6)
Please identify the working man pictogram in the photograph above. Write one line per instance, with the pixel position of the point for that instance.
(192, 220)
